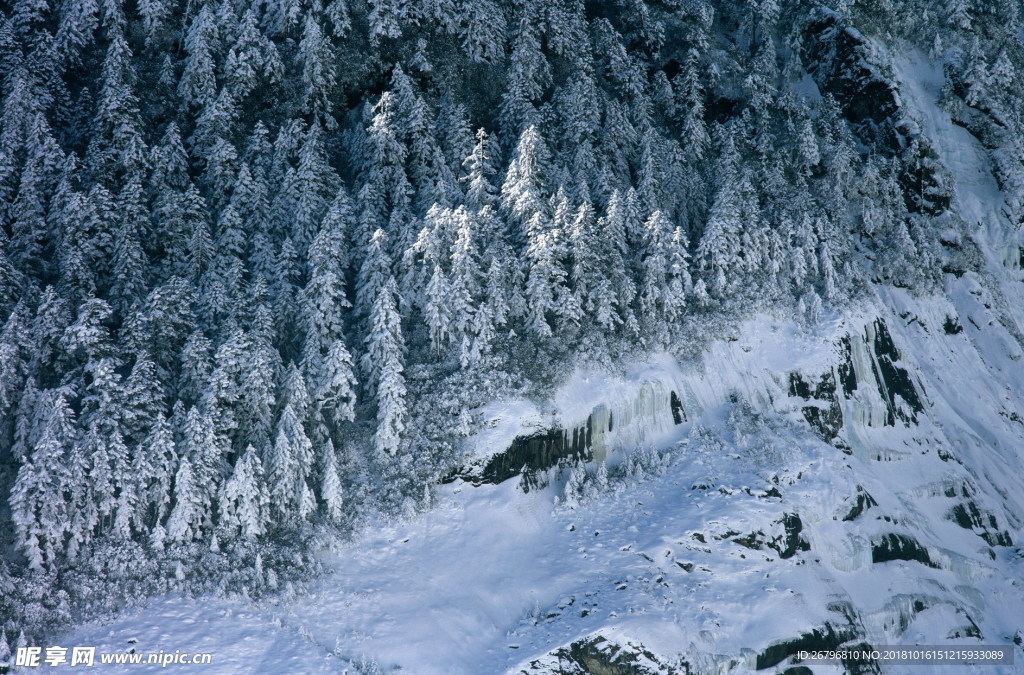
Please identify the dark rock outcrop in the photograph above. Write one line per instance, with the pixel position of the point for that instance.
(596, 655)
(894, 380)
(968, 516)
(843, 63)
(900, 547)
(532, 454)
(897, 389)
(791, 541)
(862, 502)
(828, 637)
(827, 417)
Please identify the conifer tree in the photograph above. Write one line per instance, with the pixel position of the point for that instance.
(336, 384)
(522, 192)
(157, 462)
(718, 252)
(198, 83)
(331, 493)
(384, 363)
(253, 60)
(479, 170)
(528, 77)
(243, 501)
(38, 506)
(318, 72)
(185, 521)
(545, 284)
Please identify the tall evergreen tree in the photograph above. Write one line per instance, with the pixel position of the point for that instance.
(38, 503)
(384, 363)
(318, 72)
(243, 501)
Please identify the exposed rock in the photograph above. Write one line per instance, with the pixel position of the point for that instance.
(882, 390)
(825, 638)
(894, 380)
(539, 452)
(827, 419)
(678, 414)
(792, 541)
(868, 373)
(754, 540)
(847, 373)
(597, 655)
(862, 502)
(900, 547)
(844, 64)
(532, 454)
(968, 516)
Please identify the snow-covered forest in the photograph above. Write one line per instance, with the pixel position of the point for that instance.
(261, 261)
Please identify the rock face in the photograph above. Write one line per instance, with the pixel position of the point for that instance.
(868, 381)
(844, 64)
(537, 452)
(825, 638)
(597, 655)
(968, 516)
(900, 547)
(875, 387)
(867, 384)
(653, 408)
(791, 542)
(894, 382)
(862, 502)
(534, 453)
(826, 416)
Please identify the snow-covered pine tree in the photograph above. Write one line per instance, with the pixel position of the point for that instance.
(384, 363)
(243, 499)
(331, 491)
(336, 385)
(38, 506)
(546, 278)
(318, 72)
(198, 83)
(253, 62)
(156, 462)
(522, 191)
(529, 74)
(718, 251)
(185, 523)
